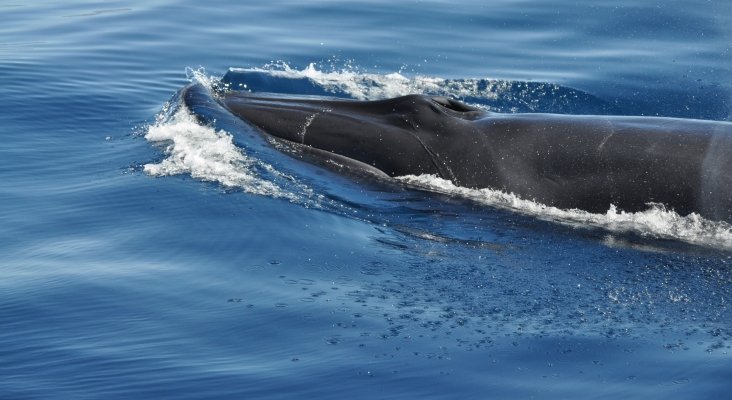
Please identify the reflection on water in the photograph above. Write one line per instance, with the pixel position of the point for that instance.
(117, 284)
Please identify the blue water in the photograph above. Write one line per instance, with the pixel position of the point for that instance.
(266, 277)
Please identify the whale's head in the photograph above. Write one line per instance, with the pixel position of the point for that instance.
(399, 136)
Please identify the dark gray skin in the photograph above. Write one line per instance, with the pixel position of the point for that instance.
(566, 161)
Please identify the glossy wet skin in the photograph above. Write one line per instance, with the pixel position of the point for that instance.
(585, 162)
(399, 137)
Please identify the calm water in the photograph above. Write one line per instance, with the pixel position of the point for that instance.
(238, 272)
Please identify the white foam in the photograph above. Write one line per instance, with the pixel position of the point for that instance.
(199, 75)
(368, 86)
(655, 222)
(206, 154)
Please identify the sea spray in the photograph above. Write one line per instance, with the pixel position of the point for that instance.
(656, 221)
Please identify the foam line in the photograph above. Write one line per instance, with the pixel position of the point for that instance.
(656, 221)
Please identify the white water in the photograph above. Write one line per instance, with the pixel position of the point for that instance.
(490, 94)
(368, 86)
(656, 221)
(207, 154)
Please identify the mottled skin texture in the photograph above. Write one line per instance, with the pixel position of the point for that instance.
(567, 161)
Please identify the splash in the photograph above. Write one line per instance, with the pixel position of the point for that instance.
(491, 94)
(656, 221)
(199, 75)
(359, 85)
(206, 154)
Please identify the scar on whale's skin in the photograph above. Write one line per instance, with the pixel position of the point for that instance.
(304, 131)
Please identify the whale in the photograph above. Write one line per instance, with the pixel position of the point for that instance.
(584, 162)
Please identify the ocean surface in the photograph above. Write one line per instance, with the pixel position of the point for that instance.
(145, 256)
